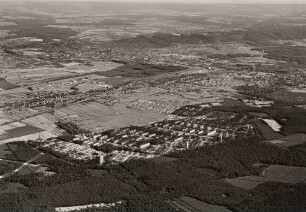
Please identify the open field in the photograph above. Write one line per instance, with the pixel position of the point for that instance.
(97, 117)
(18, 131)
(291, 140)
(274, 173)
(267, 132)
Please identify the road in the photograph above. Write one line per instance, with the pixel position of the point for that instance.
(20, 167)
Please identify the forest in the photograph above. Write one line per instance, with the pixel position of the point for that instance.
(144, 185)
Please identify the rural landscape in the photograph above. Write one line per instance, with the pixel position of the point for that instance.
(152, 107)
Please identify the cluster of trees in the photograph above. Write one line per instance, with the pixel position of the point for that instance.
(145, 202)
(199, 172)
(71, 128)
(8, 166)
(107, 148)
(236, 158)
(65, 172)
(132, 69)
(17, 202)
(144, 185)
(279, 197)
(292, 119)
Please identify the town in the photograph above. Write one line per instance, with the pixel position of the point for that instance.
(157, 139)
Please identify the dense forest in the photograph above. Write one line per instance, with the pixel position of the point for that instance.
(145, 185)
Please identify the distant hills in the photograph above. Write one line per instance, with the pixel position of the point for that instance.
(259, 34)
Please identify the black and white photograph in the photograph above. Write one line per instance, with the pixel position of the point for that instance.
(152, 105)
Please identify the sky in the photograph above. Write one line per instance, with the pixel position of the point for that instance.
(189, 1)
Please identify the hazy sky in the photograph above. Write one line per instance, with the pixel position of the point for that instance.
(189, 1)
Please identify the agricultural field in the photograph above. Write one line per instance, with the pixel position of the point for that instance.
(97, 118)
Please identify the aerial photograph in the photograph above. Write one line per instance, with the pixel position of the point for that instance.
(152, 106)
